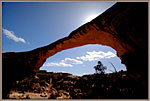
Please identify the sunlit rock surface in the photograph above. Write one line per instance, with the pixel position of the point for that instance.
(123, 27)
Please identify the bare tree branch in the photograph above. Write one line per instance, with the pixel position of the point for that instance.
(113, 67)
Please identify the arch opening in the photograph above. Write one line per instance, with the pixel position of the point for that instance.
(81, 60)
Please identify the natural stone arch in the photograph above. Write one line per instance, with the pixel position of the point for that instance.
(78, 54)
(123, 27)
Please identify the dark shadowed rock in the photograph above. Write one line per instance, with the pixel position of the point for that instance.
(123, 27)
(117, 85)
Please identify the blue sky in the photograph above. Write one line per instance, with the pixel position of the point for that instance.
(29, 25)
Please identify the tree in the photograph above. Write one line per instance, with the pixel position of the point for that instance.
(100, 69)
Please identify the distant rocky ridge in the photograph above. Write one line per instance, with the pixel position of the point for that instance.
(123, 27)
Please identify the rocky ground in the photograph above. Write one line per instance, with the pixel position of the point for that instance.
(47, 85)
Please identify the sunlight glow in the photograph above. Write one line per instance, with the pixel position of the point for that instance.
(91, 17)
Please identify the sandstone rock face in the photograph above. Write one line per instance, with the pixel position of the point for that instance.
(123, 27)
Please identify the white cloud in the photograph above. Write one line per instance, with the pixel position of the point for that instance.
(61, 64)
(11, 35)
(67, 62)
(92, 56)
(72, 61)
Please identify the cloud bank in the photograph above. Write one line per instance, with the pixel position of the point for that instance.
(72, 61)
(11, 35)
(92, 56)
(61, 64)
(67, 62)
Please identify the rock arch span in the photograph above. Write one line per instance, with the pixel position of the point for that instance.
(82, 54)
(123, 27)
